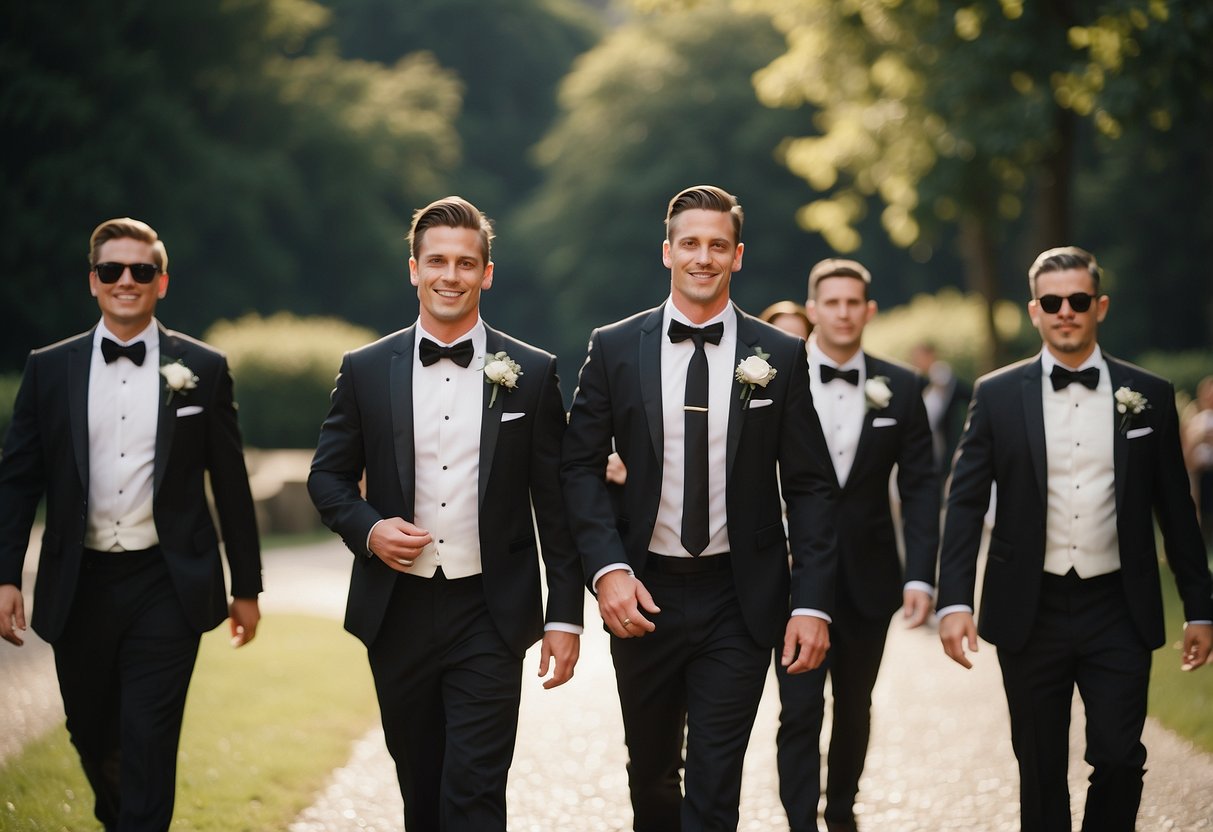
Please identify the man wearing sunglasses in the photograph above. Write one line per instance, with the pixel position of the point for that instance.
(1085, 451)
(119, 427)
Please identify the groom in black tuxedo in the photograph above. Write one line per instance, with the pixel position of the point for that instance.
(874, 418)
(457, 429)
(690, 564)
(1085, 451)
(119, 427)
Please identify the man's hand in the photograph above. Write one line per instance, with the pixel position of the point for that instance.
(563, 648)
(915, 607)
(616, 471)
(811, 636)
(620, 599)
(1198, 641)
(398, 543)
(244, 615)
(955, 630)
(12, 614)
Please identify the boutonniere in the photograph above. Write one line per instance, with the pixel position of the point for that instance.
(178, 378)
(754, 372)
(501, 371)
(1130, 403)
(876, 393)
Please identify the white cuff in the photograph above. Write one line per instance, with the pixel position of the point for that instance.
(812, 614)
(610, 568)
(953, 608)
(561, 627)
(921, 586)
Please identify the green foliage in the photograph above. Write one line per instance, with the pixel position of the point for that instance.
(264, 727)
(1183, 369)
(1182, 701)
(284, 368)
(9, 383)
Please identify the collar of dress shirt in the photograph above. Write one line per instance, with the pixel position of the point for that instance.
(817, 358)
(150, 336)
(1048, 361)
(479, 342)
(727, 316)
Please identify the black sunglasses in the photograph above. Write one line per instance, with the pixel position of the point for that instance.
(1079, 302)
(112, 272)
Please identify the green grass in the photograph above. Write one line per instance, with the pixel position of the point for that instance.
(1181, 701)
(264, 726)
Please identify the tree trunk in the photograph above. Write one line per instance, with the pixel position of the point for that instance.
(977, 249)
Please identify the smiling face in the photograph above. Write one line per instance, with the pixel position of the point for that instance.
(449, 272)
(702, 253)
(1068, 335)
(127, 307)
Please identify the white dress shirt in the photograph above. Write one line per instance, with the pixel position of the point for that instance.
(123, 409)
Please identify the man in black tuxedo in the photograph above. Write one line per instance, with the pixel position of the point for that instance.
(947, 400)
(1083, 447)
(874, 419)
(457, 428)
(703, 402)
(119, 427)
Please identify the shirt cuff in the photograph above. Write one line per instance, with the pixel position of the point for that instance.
(953, 608)
(609, 568)
(1198, 621)
(561, 627)
(812, 614)
(921, 586)
(369, 552)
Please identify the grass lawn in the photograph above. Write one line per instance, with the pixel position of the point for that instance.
(1181, 701)
(264, 726)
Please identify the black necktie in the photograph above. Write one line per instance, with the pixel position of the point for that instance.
(460, 353)
(695, 442)
(1061, 377)
(829, 373)
(111, 351)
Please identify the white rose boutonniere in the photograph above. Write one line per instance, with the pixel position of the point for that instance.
(754, 372)
(178, 378)
(1130, 403)
(876, 393)
(501, 371)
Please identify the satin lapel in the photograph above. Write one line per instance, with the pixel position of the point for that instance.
(1120, 444)
(747, 342)
(649, 367)
(79, 360)
(166, 421)
(1034, 425)
(401, 393)
(865, 432)
(490, 418)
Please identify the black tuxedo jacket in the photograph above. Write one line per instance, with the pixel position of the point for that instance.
(619, 397)
(370, 427)
(1004, 441)
(196, 433)
(870, 569)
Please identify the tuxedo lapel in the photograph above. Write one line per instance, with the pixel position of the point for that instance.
(865, 431)
(79, 360)
(401, 393)
(1034, 424)
(490, 418)
(166, 420)
(747, 342)
(1120, 443)
(649, 368)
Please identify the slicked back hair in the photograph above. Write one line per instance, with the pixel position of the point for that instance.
(451, 212)
(122, 228)
(834, 267)
(1062, 260)
(708, 198)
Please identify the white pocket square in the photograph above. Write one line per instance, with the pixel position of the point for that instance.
(188, 410)
(1136, 432)
(883, 422)
(509, 417)
(760, 403)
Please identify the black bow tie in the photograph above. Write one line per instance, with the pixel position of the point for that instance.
(460, 353)
(1061, 377)
(710, 334)
(829, 373)
(111, 351)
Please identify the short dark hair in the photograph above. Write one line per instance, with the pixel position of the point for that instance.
(708, 198)
(1063, 259)
(451, 212)
(122, 228)
(834, 267)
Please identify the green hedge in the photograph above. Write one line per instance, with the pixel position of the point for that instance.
(9, 382)
(284, 367)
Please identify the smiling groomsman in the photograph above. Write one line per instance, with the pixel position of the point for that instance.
(874, 419)
(456, 428)
(709, 410)
(1085, 451)
(119, 428)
